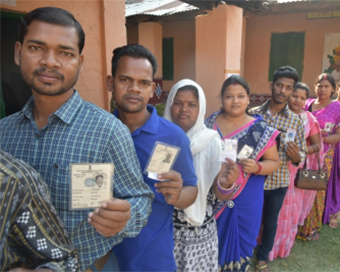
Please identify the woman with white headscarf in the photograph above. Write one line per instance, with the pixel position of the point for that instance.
(195, 232)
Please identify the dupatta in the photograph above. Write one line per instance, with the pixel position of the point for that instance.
(205, 145)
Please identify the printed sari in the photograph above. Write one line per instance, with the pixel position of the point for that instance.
(239, 220)
(298, 202)
(313, 222)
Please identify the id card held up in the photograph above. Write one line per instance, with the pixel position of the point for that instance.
(228, 150)
(161, 160)
(90, 185)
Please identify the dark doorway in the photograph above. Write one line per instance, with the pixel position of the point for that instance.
(15, 91)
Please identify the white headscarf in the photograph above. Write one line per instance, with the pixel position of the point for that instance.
(205, 145)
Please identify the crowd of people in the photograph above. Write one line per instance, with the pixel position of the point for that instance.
(229, 193)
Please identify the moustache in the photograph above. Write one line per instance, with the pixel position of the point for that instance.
(54, 73)
(133, 96)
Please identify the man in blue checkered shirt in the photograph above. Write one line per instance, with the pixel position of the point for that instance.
(56, 127)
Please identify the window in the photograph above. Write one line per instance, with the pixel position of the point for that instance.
(286, 49)
(168, 58)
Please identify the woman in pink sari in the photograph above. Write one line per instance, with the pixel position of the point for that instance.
(298, 202)
(327, 112)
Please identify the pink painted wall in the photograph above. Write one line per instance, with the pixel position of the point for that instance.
(104, 26)
(218, 50)
(259, 29)
(183, 33)
(150, 36)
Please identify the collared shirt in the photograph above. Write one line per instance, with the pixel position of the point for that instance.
(80, 132)
(152, 249)
(282, 121)
(31, 233)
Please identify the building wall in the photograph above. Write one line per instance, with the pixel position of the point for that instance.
(259, 30)
(104, 26)
(183, 33)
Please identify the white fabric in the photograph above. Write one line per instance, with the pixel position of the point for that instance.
(205, 146)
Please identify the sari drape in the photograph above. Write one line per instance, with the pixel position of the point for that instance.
(313, 222)
(239, 220)
(298, 202)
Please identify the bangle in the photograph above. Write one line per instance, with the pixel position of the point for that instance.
(223, 190)
(260, 166)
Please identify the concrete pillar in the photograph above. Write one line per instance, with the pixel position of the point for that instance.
(218, 50)
(150, 36)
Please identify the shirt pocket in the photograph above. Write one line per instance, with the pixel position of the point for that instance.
(60, 186)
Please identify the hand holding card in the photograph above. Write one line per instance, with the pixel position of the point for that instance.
(171, 187)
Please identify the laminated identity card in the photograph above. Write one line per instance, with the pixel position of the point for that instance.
(245, 152)
(161, 160)
(328, 126)
(290, 136)
(91, 184)
(228, 150)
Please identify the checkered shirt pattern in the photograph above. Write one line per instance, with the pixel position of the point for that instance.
(80, 132)
(30, 230)
(282, 121)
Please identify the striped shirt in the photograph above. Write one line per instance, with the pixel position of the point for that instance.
(282, 121)
(80, 132)
(31, 233)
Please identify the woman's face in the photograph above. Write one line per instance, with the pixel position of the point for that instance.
(297, 100)
(185, 109)
(324, 89)
(235, 100)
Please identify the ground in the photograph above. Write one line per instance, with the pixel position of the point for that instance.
(309, 256)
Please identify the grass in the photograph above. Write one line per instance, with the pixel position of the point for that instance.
(309, 256)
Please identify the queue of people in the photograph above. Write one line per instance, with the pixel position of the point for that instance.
(230, 189)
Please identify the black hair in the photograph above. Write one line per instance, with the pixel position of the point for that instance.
(133, 50)
(303, 86)
(330, 78)
(190, 88)
(55, 16)
(233, 80)
(287, 72)
(98, 176)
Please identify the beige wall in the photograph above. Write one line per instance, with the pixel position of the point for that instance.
(104, 25)
(183, 33)
(259, 29)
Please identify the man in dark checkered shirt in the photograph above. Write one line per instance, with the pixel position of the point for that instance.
(277, 114)
(31, 233)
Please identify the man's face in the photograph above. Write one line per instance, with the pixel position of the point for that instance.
(49, 58)
(99, 181)
(132, 84)
(282, 89)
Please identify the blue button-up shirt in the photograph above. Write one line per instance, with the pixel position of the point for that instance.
(80, 132)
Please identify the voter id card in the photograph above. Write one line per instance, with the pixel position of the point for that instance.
(245, 152)
(228, 150)
(290, 136)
